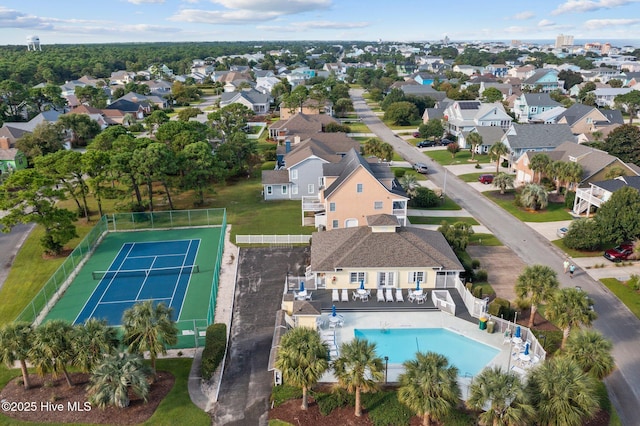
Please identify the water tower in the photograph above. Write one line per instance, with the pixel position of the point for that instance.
(33, 43)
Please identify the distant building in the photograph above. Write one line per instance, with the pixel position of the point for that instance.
(33, 43)
(564, 40)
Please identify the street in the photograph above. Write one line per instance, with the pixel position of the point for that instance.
(614, 321)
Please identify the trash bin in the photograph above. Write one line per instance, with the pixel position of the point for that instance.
(491, 326)
(483, 323)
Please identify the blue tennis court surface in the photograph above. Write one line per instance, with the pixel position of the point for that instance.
(158, 271)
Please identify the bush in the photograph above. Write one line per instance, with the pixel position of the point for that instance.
(283, 393)
(499, 307)
(214, 348)
(583, 234)
(385, 409)
(424, 198)
(475, 263)
(327, 402)
(477, 291)
(482, 275)
(569, 199)
(398, 173)
(634, 282)
(136, 127)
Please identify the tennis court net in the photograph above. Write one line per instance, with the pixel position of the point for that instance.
(123, 273)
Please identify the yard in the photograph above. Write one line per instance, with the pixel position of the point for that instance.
(553, 212)
(444, 158)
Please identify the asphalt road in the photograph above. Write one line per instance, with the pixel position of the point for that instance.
(10, 243)
(614, 321)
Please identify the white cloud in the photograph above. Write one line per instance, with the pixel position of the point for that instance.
(596, 24)
(314, 25)
(522, 16)
(574, 6)
(546, 23)
(281, 7)
(145, 1)
(222, 17)
(10, 18)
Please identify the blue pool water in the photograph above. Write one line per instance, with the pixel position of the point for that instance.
(401, 344)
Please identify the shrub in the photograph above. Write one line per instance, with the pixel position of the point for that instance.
(424, 198)
(482, 275)
(634, 282)
(569, 198)
(517, 200)
(214, 347)
(136, 127)
(477, 291)
(583, 234)
(475, 263)
(385, 409)
(327, 402)
(283, 393)
(499, 307)
(399, 173)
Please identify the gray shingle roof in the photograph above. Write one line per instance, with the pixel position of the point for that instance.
(537, 136)
(613, 185)
(359, 247)
(539, 99)
(275, 177)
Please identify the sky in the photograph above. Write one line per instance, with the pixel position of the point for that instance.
(107, 21)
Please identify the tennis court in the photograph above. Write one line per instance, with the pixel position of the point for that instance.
(171, 266)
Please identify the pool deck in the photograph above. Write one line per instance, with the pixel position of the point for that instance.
(425, 319)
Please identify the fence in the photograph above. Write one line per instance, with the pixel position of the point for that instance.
(216, 270)
(191, 333)
(273, 239)
(476, 307)
(137, 221)
(63, 276)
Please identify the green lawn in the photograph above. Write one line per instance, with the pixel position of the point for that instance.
(431, 220)
(576, 253)
(553, 212)
(409, 171)
(471, 177)
(443, 157)
(484, 240)
(357, 127)
(628, 296)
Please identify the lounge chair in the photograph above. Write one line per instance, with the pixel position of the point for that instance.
(399, 297)
(380, 295)
(308, 296)
(320, 323)
(345, 295)
(335, 296)
(388, 294)
(507, 337)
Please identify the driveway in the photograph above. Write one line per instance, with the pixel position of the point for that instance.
(246, 383)
(615, 321)
(503, 267)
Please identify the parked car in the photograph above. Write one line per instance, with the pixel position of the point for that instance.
(561, 232)
(416, 134)
(619, 253)
(486, 179)
(425, 144)
(421, 168)
(445, 142)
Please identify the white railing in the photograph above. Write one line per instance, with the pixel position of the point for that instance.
(442, 300)
(273, 239)
(476, 307)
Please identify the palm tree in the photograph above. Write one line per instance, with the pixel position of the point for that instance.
(117, 375)
(429, 386)
(372, 146)
(15, 341)
(591, 351)
(505, 392)
(534, 196)
(302, 358)
(92, 341)
(561, 393)
(358, 369)
(497, 150)
(386, 152)
(539, 164)
(475, 140)
(149, 328)
(558, 170)
(503, 181)
(52, 349)
(537, 284)
(570, 307)
(409, 182)
(573, 174)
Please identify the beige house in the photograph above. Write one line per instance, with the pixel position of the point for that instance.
(585, 120)
(353, 189)
(310, 106)
(300, 123)
(382, 254)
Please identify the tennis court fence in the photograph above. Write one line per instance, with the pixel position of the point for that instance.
(190, 331)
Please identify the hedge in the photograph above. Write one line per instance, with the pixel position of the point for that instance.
(214, 347)
(499, 307)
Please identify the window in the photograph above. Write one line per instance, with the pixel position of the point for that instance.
(377, 205)
(294, 174)
(589, 120)
(358, 187)
(385, 279)
(269, 190)
(332, 207)
(310, 188)
(283, 189)
(416, 276)
(334, 224)
(356, 277)
(294, 189)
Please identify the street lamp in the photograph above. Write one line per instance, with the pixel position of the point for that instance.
(386, 368)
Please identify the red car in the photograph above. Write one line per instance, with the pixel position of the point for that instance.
(486, 179)
(619, 253)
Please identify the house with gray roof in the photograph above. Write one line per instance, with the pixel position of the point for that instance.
(423, 91)
(605, 96)
(300, 123)
(585, 120)
(381, 254)
(490, 135)
(546, 80)
(257, 102)
(463, 116)
(521, 138)
(598, 193)
(530, 104)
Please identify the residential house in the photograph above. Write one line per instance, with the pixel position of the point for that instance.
(308, 107)
(121, 77)
(544, 79)
(585, 120)
(549, 116)
(300, 123)
(94, 113)
(11, 158)
(574, 90)
(9, 134)
(530, 104)
(266, 84)
(467, 70)
(382, 254)
(137, 110)
(424, 91)
(499, 70)
(353, 189)
(158, 87)
(259, 103)
(423, 78)
(505, 89)
(597, 193)
(490, 135)
(595, 163)
(605, 97)
(522, 72)
(463, 116)
(300, 172)
(521, 138)
(145, 100)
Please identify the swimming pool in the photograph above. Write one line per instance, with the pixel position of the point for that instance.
(401, 344)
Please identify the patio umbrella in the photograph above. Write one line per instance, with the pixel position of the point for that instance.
(526, 348)
(333, 310)
(301, 285)
(517, 331)
(418, 285)
(361, 284)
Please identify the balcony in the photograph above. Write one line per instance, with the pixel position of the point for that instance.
(312, 204)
